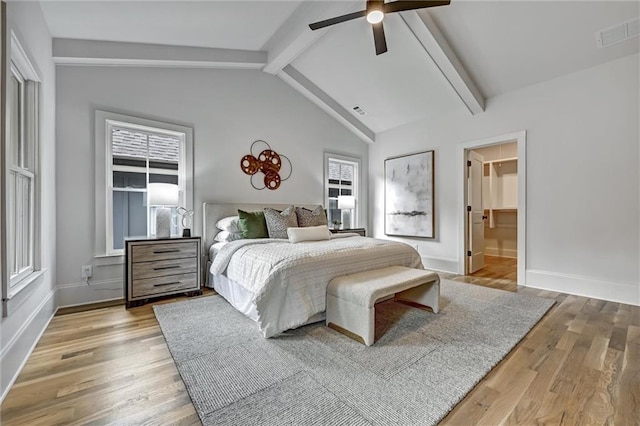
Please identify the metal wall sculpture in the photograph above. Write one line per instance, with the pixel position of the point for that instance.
(275, 168)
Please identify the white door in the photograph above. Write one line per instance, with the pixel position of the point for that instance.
(475, 213)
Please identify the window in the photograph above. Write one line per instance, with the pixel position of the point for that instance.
(22, 170)
(138, 152)
(341, 188)
(139, 156)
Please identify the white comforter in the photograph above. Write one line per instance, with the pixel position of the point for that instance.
(289, 281)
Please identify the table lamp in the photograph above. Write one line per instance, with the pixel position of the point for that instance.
(346, 202)
(164, 195)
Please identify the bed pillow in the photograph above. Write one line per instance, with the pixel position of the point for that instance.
(226, 236)
(309, 233)
(252, 224)
(315, 217)
(279, 221)
(229, 224)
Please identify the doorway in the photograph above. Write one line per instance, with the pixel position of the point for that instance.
(493, 197)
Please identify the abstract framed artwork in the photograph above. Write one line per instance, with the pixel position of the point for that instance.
(408, 195)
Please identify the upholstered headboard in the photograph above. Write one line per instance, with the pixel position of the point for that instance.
(213, 212)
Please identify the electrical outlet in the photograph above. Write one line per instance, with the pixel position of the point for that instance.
(86, 271)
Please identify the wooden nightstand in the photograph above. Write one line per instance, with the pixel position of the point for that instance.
(160, 267)
(360, 231)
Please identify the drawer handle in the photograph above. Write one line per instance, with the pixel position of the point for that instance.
(159, 268)
(166, 251)
(163, 284)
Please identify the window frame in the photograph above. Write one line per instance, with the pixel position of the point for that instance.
(110, 125)
(355, 187)
(104, 123)
(22, 69)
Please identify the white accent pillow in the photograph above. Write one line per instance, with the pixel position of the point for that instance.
(229, 224)
(308, 233)
(226, 236)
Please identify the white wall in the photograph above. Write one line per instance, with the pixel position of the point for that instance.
(228, 110)
(583, 184)
(34, 306)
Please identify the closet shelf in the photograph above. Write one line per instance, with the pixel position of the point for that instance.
(500, 187)
(502, 160)
(503, 210)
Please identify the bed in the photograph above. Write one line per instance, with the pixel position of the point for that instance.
(282, 285)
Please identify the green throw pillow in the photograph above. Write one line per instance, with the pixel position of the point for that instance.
(253, 224)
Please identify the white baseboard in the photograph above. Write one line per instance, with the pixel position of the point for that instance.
(495, 251)
(14, 356)
(628, 293)
(441, 264)
(97, 291)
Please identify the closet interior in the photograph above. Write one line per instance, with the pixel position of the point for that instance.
(500, 204)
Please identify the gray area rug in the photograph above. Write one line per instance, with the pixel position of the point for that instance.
(420, 367)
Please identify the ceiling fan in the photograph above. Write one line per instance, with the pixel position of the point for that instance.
(375, 11)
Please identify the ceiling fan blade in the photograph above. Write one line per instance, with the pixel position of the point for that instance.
(337, 20)
(400, 6)
(378, 38)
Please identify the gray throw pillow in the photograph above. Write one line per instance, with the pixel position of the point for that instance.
(315, 217)
(278, 222)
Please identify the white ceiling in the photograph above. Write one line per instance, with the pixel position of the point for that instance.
(395, 88)
(245, 25)
(503, 45)
(507, 45)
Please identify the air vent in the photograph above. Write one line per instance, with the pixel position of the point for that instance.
(617, 33)
(359, 110)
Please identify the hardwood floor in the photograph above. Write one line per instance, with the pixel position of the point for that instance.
(105, 366)
(579, 365)
(499, 268)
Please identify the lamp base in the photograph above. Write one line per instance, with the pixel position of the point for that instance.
(163, 222)
(186, 232)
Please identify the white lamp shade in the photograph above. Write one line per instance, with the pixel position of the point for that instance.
(163, 194)
(346, 202)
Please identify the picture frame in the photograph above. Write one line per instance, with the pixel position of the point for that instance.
(409, 195)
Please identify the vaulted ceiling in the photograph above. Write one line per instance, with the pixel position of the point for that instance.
(440, 60)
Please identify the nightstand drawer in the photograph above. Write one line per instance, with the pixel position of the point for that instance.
(161, 267)
(164, 267)
(171, 283)
(147, 252)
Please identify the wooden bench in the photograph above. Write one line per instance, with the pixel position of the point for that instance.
(351, 299)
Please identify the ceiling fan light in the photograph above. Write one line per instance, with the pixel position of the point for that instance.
(375, 16)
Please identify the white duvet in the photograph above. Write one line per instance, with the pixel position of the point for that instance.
(289, 281)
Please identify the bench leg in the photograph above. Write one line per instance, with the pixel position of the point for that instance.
(426, 295)
(354, 318)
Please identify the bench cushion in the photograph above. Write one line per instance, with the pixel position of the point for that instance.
(365, 288)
